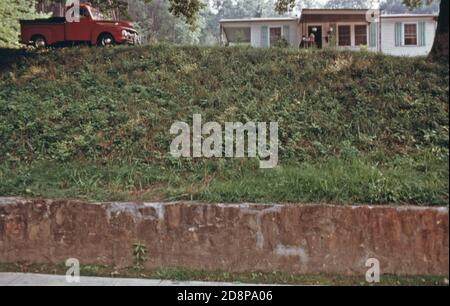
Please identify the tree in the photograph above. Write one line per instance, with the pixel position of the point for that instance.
(10, 13)
(288, 5)
(356, 4)
(398, 7)
(440, 46)
(283, 6)
(187, 9)
(155, 23)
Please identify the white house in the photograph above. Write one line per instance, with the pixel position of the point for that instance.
(407, 35)
(404, 35)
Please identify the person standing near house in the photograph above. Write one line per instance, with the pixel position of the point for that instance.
(312, 40)
(304, 42)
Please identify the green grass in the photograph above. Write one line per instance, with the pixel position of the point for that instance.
(94, 123)
(182, 274)
(420, 181)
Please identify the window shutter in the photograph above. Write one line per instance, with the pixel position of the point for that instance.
(422, 33)
(286, 33)
(264, 37)
(398, 34)
(373, 30)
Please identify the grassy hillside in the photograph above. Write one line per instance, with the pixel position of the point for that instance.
(354, 127)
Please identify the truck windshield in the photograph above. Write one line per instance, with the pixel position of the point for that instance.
(96, 15)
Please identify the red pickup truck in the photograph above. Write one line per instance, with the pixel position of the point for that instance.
(91, 28)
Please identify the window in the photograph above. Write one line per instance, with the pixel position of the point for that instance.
(344, 35)
(96, 14)
(360, 35)
(410, 34)
(275, 36)
(84, 12)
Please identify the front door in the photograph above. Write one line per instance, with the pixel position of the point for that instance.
(79, 31)
(275, 36)
(317, 31)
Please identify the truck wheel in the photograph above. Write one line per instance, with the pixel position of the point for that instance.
(105, 40)
(39, 42)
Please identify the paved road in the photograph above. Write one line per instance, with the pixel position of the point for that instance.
(21, 279)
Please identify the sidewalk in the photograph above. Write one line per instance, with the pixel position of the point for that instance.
(20, 279)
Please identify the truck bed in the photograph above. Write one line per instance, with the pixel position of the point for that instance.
(52, 20)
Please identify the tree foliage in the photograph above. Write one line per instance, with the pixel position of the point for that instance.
(10, 13)
(155, 23)
(356, 4)
(285, 5)
(399, 7)
(187, 9)
(417, 3)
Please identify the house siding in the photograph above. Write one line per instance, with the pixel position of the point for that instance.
(388, 37)
(257, 26)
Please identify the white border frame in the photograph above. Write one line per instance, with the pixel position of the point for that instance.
(274, 27)
(404, 36)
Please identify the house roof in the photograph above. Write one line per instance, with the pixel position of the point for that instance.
(409, 16)
(306, 12)
(333, 11)
(274, 19)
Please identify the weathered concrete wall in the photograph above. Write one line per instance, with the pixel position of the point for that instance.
(294, 238)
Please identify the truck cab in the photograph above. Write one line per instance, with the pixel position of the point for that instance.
(91, 28)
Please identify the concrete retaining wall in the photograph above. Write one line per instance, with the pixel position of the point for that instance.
(306, 239)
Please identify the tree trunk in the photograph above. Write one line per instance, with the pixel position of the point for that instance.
(440, 46)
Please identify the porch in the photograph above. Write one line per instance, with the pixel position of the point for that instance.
(344, 29)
